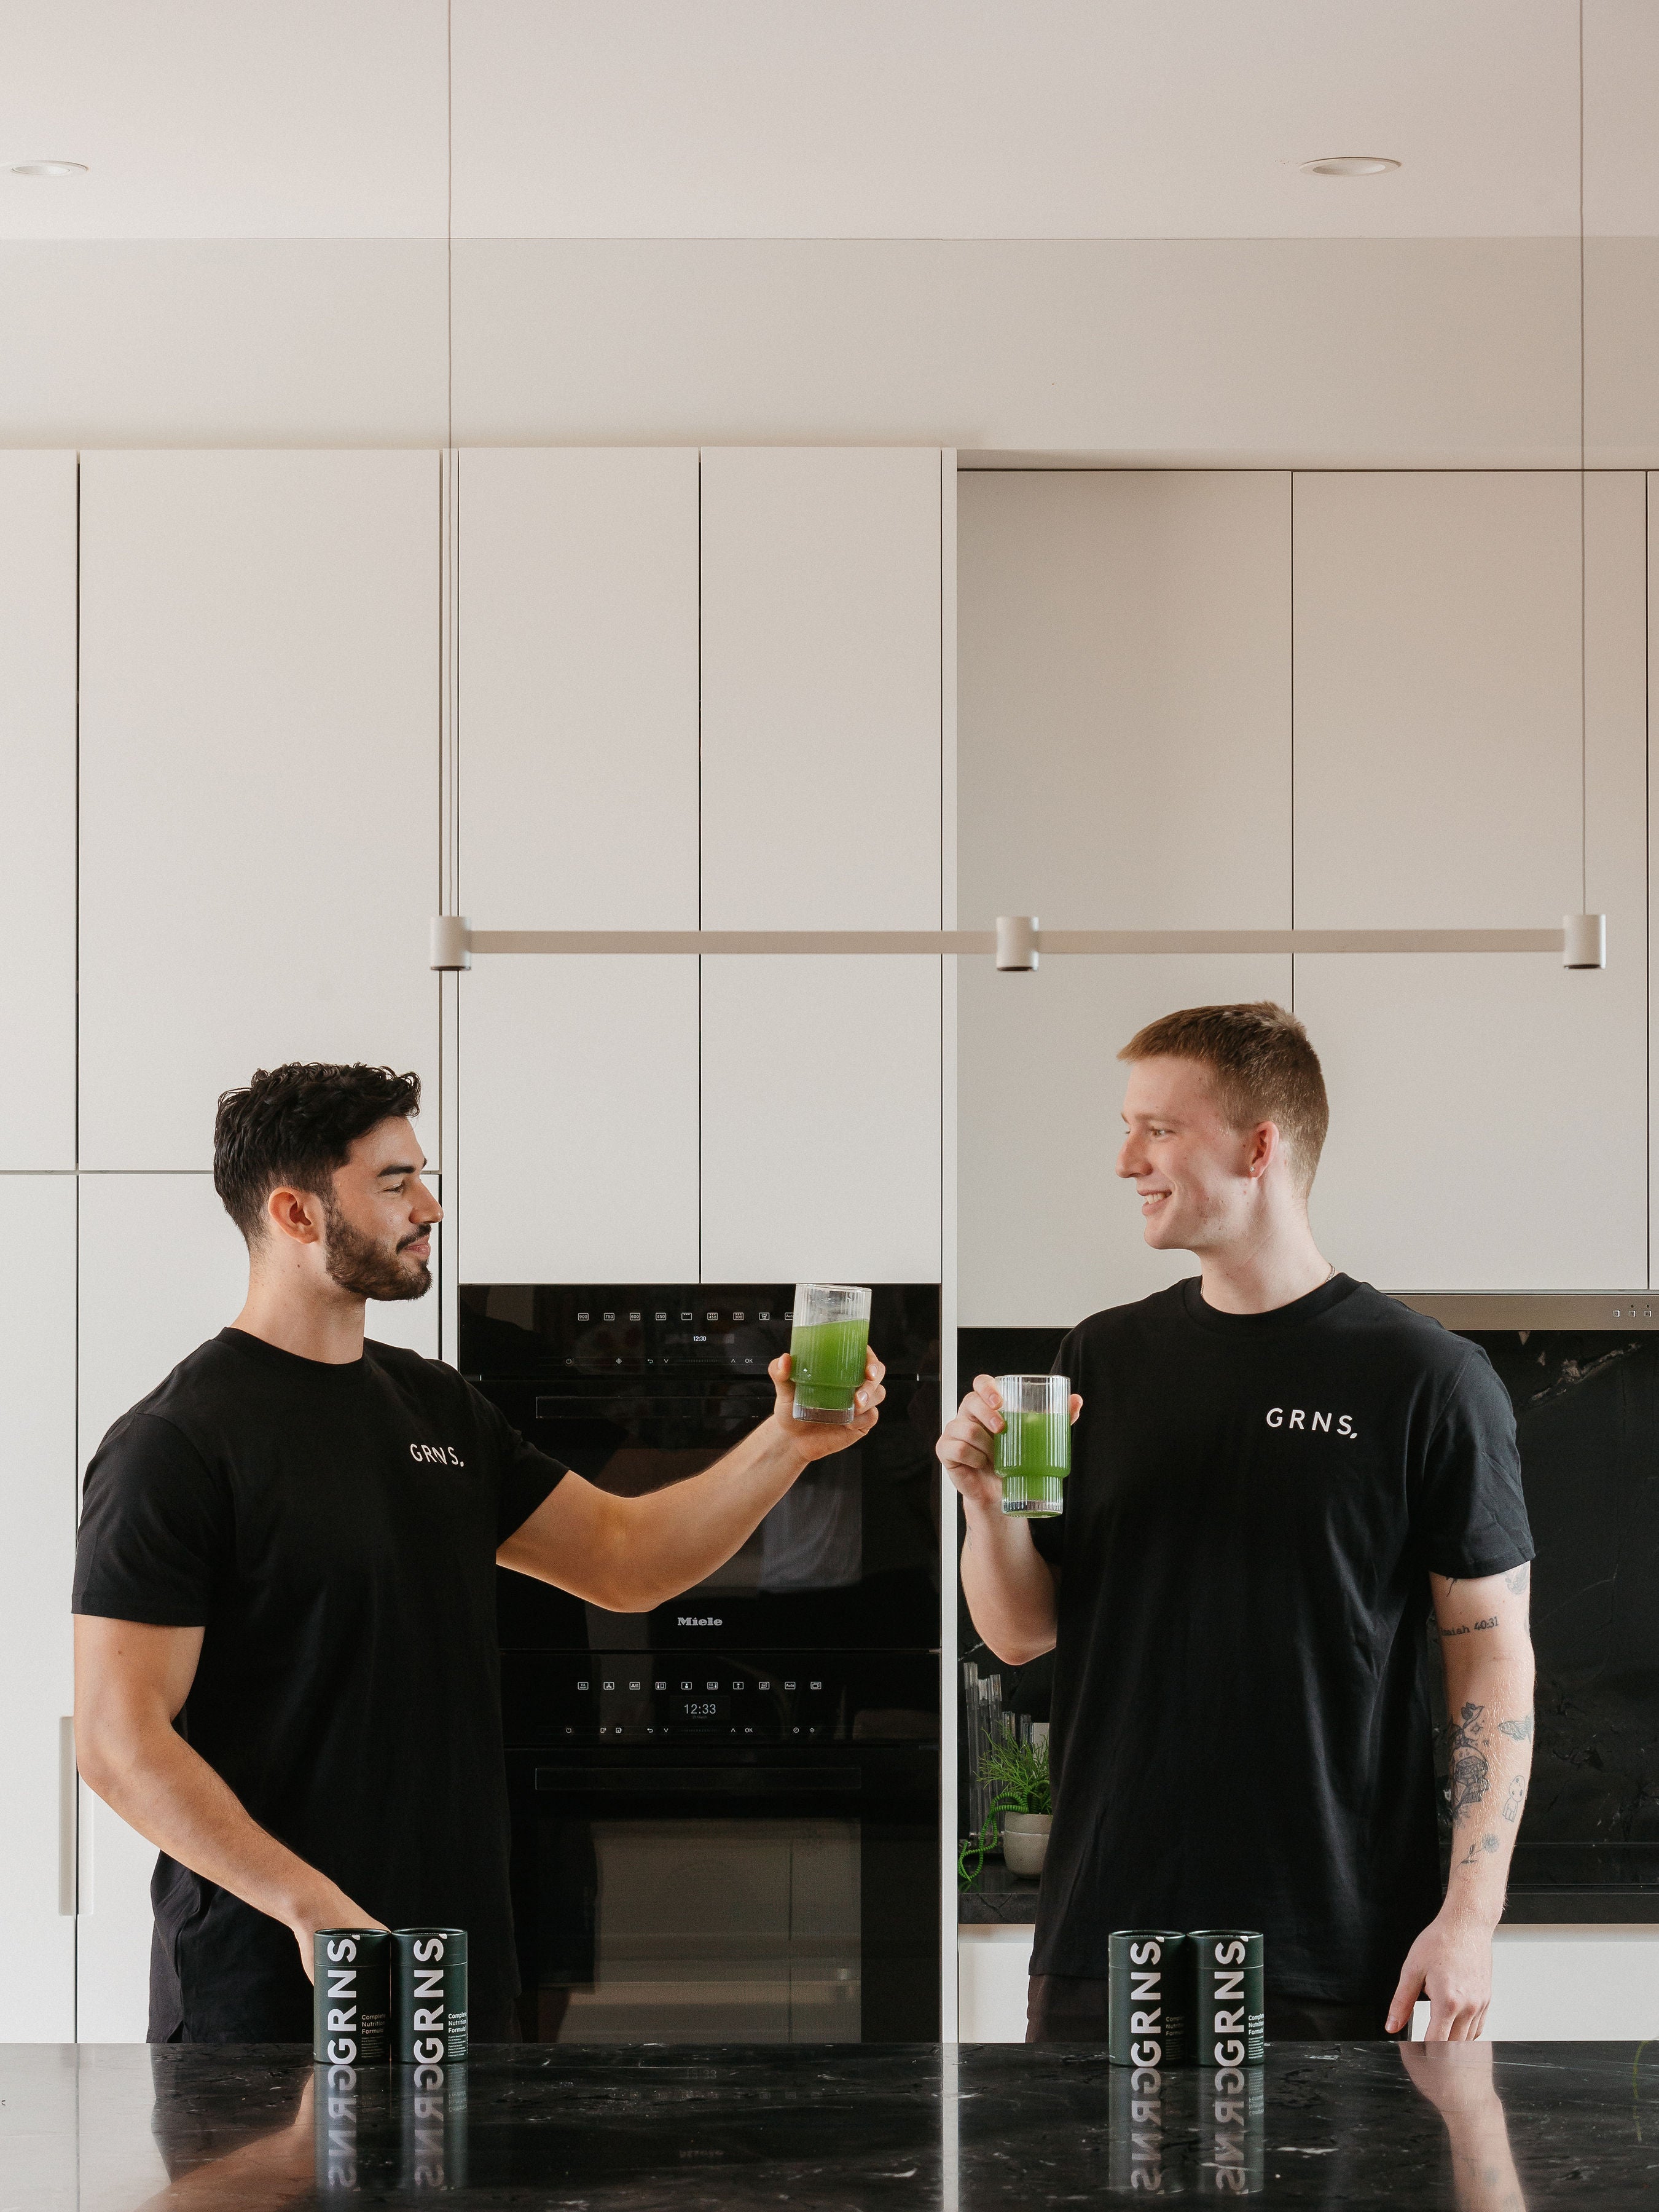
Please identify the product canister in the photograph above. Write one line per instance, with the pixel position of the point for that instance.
(1147, 1989)
(1232, 2135)
(428, 1995)
(1142, 2127)
(1228, 2015)
(350, 2002)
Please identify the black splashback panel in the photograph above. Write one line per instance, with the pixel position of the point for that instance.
(1587, 1413)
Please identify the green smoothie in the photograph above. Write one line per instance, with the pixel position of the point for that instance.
(827, 1362)
(1034, 1457)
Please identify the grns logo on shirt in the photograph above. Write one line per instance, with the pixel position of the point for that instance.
(437, 1454)
(1297, 1416)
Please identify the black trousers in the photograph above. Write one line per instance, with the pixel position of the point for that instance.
(1071, 2008)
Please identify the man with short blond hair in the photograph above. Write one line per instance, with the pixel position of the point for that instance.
(1276, 1472)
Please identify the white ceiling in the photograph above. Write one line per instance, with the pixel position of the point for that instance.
(826, 118)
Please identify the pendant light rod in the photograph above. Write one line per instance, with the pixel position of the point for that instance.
(1583, 528)
(1017, 941)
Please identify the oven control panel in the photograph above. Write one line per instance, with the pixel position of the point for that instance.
(645, 1697)
(683, 1697)
(655, 1697)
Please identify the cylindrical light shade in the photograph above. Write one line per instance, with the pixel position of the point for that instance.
(1584, 940)
(1017, 947)
(449, 944)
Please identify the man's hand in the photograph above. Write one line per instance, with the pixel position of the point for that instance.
(327, 1907)
(1450, 1963)
(818, 1439)
(1009, 1586)
(968, 1447)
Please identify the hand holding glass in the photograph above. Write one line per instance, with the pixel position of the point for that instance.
(1034, 1445)
(827, 1350)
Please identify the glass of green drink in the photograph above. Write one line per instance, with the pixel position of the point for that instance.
(827, 1349)
(1034, 1448)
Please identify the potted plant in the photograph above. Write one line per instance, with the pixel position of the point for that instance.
(1022, 1802)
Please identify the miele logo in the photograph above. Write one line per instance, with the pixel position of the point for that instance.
(1296, 1417)
(437, 1454)
(700, 1621)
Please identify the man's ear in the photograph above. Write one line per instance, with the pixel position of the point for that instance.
(294, 1215)
(1265, 1144)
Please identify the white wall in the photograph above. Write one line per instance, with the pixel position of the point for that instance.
(1384, 352)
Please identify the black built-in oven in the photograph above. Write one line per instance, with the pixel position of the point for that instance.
(725, 1810)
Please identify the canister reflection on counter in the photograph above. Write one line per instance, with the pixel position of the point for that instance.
(1141, 2119)
(337, 2113)
(1232, 2149)
(434, 2100)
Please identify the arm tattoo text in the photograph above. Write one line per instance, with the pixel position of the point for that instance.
(1469, 1627)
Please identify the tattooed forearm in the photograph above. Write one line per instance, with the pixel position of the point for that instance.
(1471, 1776)
(1469, 1627)
(1517, 1798)
(1520, 1729)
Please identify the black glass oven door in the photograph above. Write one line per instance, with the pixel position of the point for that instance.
(715, 1897)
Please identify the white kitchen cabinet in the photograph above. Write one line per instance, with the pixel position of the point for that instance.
(37, 1414)
(577, 1116)
(822, 1114)
(37, 802)
(1124, 762)
(823, 584)
(1047, 1232)
(260, 765)
(162, 1269)
(577, 797)
(1124, 747)
(1438, 784)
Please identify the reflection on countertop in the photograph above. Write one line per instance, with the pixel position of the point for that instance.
(1520, 2128)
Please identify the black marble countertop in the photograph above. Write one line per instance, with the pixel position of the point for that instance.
(1513, 2128)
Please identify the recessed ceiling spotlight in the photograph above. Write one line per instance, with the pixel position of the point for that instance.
(1349, 165)
(49, 168)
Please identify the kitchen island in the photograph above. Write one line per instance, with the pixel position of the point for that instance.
(1515, 2127)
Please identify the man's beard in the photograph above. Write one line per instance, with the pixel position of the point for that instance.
(367, 1269)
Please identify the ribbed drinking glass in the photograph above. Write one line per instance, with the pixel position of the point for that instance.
(827, 1349)
(1034, 1447)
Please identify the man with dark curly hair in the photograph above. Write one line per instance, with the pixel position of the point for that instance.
(286, 1667)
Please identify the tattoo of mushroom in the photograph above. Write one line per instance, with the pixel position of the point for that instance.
(1471, 1776)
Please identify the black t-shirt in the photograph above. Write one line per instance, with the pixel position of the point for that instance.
(333, 1529)
(1242, 1732)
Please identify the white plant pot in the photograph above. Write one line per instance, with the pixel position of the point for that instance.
(1025, 1841)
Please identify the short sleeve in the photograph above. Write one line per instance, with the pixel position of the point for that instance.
(1471, 1513)
(526, 1477)
(156, 1536)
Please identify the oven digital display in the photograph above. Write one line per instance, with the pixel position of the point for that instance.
(703, 1709)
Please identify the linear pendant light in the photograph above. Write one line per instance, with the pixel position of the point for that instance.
(1017, 941)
